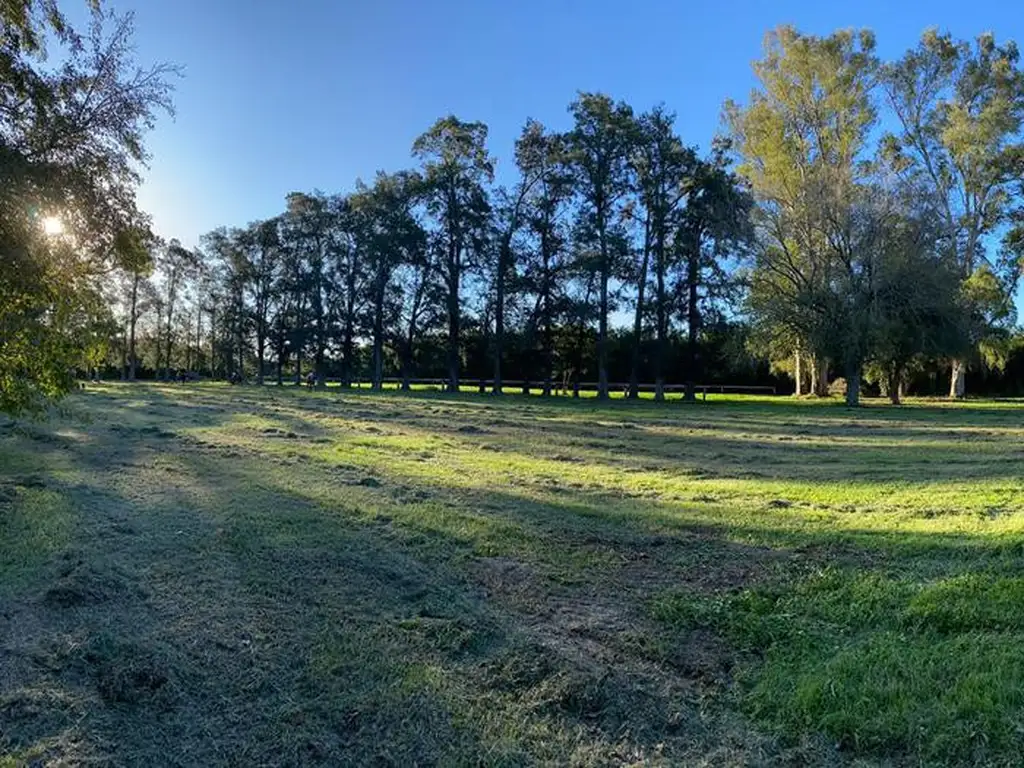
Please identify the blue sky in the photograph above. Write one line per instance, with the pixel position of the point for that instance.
(283, 96)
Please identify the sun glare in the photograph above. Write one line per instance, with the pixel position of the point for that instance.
(53, 226)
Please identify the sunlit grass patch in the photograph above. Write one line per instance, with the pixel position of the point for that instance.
(881, 663)
(346, 577)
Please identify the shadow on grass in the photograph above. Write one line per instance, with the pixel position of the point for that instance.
(267, 608)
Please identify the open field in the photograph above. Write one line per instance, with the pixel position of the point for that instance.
(205, 575)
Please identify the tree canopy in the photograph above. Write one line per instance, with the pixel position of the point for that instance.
(858, 219)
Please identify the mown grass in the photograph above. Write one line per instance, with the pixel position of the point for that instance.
(215, 575)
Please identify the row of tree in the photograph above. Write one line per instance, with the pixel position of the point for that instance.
(821, 241)
(616, 214)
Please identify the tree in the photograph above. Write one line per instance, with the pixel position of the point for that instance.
(713, 227)
(346, 256)
(456, 170)
(177, 265)
(71, 144)
(308, 229)
(136, 260)
(960, 111)
(803, 141)
(392, 237)
(918, 309)
(545, 263)
(532, 161)
(260, 248)
(664, 170)
(598, 149)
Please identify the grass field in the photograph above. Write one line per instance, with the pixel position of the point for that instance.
(205, 575)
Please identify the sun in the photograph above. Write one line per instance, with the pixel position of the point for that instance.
(53, 226)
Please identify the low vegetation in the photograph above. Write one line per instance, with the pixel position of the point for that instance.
(198, 574)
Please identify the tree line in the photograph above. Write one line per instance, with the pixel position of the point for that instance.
(615, 216)
(854, 218)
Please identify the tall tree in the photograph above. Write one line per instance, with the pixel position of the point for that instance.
(308, 228)
(531, 153)
(71, 146)
(960, 110)
(456, 170)
(136, 260)
(261, 249)
(545, 268)
(599, 146)
(713, 227)
(177, 265)
(918, 309)
(421, 304)
(664, 169)
(346, 256)
(803, 140)
(392, 236)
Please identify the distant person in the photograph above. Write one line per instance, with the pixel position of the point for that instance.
(310, 380)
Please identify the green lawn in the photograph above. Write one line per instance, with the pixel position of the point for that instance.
(208, 575)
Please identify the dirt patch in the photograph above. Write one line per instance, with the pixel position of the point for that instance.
(701, 655)
(507, 578)
(470, 429)
(365, 482)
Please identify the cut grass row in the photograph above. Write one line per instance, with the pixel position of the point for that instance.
(856, 576)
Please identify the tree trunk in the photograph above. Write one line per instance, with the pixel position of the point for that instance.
(798, 373)
(819, 377)
(853, 386)
(602, 321)
(693, 324)
(348, 345)
(133, 320)
(407, 352)
(453, 342)
(958, 380)
(378, 361)
(124, 354)
(895, 386)
(213, 344)
(634, 372)
(378, 336)
(261, 342)
(499, 316)
(188, 342)
(661, 311)
(549, 351)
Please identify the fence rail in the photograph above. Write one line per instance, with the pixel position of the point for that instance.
(584, 386)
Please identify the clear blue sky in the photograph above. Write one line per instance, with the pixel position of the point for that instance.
(283, 96)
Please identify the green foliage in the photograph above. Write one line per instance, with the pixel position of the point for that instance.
(802, 141)
(456, 169)
(71, 151)
(961, 111)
